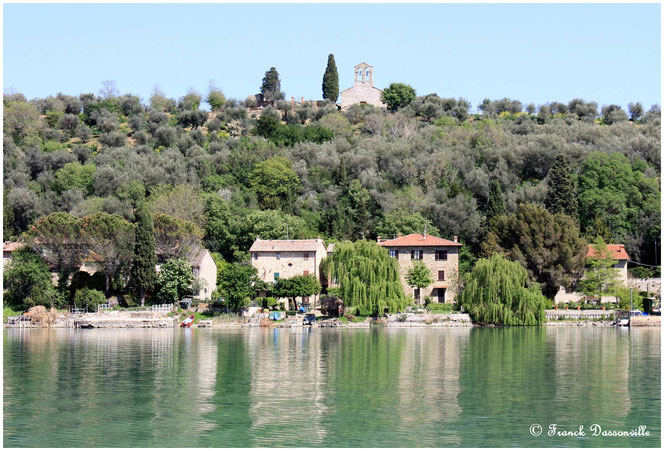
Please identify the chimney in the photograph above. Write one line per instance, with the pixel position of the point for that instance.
(377, 239)
(302, 100)
(456, 239)
(292, 99)
(424, 235)
(258, 238)
(399, 235)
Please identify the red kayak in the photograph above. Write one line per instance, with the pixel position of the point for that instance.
(188, 322)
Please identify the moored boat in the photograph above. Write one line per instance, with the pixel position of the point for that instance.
(188, 322)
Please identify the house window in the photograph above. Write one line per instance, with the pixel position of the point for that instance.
(441, 275)
(276, 275)
(306, 273)
(278, 255)
(441, 255)
(394, 254)
(416, 255)
(306, 256)
(255, 256)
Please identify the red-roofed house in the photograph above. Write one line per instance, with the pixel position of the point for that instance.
(441, 256)
(617, 252)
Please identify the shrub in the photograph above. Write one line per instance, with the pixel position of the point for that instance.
(85, 297)
(440, 307)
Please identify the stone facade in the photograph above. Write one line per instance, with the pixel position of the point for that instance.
(276, 259)
(205, 270)
(440, 256)
(8, 247)
(363, 91)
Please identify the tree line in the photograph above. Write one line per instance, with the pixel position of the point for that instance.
(560, 174)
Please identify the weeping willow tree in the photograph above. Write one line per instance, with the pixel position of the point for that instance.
(368, 278)
(496, 293)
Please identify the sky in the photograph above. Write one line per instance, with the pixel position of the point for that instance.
(609, 53)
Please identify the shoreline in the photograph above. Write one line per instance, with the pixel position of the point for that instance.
(148, 320)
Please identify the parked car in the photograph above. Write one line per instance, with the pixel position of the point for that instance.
(309, 319)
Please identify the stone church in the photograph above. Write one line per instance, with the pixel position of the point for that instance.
(363, 91)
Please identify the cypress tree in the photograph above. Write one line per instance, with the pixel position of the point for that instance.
(271, 87)
(145, 257)
(496, 205)
(331, 80)
(561, 197)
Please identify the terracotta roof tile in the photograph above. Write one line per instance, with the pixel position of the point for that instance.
(286, 245)
(11, 246)
(617, 251)
(417, 239)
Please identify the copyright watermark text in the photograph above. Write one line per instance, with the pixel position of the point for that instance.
(595, 430)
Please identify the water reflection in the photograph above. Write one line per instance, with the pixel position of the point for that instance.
(301, 387)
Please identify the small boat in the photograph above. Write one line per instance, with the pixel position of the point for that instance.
(188, 322)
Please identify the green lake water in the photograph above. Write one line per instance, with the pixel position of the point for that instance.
(454, 387)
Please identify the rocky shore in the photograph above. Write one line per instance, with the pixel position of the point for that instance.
(149, 319)
(580, 323)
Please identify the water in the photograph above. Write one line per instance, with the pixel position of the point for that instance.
(346, 388)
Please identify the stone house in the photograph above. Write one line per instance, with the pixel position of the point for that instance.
(8, 247)
(363, 91)
(439, 255)
(618, 253)
(274, 259)
(205, 271)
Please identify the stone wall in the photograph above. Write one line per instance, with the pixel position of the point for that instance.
(450, 266)
(361, 92)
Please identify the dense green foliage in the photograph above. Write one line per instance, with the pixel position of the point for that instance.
(331, 80)
(496, 292)
(601, 278)
(354, 174)
(496, 205)
(27, 282)
(397, 96)
(297, 286)
(88, 298)
(110, 239)
(548, 246)
(236, 285)
(419, 276)
(271, 87)
(621, 201)
(173, 281)
(145, 257)
(368, 278)
(561, 197)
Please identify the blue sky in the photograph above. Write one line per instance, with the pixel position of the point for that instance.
(537, 53)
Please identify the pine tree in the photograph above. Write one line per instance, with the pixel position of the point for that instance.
(271, 87)
(496, 205)
(145, 257)
(331, 80)
(561, 197)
